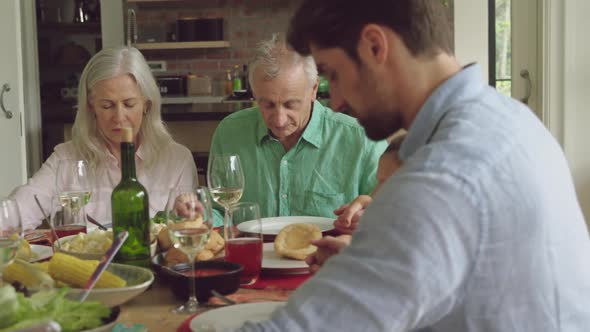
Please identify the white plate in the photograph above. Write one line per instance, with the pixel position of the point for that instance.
(232, 317)
(272, 262)
(40, 253)
(273, 225)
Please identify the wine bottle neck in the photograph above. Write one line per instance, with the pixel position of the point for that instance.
(127, 161)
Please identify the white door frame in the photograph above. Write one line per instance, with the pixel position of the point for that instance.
(31, 86)
(552, 66)
(13, 170)
(526, 44)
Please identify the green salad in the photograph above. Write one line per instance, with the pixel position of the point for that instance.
(19, 311)
(162, 217)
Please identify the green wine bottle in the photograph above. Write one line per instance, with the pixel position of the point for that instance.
(130, 209)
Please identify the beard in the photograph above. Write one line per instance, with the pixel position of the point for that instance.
(380, 116)
(379, 125)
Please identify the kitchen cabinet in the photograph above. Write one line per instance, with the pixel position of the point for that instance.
(64, 46)
(166, 35)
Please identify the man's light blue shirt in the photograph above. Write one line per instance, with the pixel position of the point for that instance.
(480, 230)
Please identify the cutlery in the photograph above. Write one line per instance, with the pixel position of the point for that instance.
(118, 241)
(93, 221)
(53, 232)
(225, 299)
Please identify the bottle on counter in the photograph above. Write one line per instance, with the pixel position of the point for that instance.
(130, 209)
(245, 82)
(237, 86)
(228, 83)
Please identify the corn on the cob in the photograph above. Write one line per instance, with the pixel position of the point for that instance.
(27, 274)
(76, 272)
(24, 250)
(44, 266)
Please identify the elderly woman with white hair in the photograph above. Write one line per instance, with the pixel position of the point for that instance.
(116, 90)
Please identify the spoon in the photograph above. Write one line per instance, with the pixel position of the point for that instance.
(106, 260)
(223, 298)
(93, 221)
(53, 232)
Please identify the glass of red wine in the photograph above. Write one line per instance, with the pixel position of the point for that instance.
(244, 243)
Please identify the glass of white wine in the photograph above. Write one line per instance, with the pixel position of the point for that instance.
(189, 223)
(225, 178)
(11, 232)
(73, 191)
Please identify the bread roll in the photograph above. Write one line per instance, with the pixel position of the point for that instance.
(293, 241)
(214, 245)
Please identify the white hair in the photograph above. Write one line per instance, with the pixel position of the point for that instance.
(274, 54)
(111, 62)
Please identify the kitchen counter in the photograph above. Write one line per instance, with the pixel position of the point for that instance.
(211, 108)
(202, 108)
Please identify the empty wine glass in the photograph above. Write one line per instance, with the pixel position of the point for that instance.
(226, 182)
(189, 224)
(11, 232)
(73, 180)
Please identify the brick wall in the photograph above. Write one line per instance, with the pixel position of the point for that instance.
(246, 22)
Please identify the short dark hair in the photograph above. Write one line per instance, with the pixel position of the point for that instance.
(423, 25)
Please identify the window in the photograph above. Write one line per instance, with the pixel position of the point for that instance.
(500, 46)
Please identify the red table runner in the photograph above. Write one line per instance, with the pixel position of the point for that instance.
(277, 287)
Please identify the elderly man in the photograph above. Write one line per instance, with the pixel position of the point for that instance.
(299, 158)
(480, 230)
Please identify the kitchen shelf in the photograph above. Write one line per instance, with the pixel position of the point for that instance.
(191, 100)
(60, 112)
(182, 45)
(149, 1)
(90, 27)
(202, 100)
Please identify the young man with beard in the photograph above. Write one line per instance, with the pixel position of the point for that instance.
(481, 229)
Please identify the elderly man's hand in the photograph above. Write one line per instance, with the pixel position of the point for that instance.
(349, 214)
(188, 206)
(328, 246)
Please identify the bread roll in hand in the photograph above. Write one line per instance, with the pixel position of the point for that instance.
(293, 241)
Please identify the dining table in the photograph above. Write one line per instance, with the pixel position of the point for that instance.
(152, 310)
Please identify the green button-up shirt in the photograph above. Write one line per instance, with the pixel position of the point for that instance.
(331, 164)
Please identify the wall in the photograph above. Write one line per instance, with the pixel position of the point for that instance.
(471, 33)
(576, 98)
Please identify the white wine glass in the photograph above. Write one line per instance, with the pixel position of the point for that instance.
(73, 189)
(225, 178)
(73, 179)
(189, 223)
(11, 232)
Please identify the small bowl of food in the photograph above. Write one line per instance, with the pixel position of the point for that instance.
(91, 246)
(218, 275)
